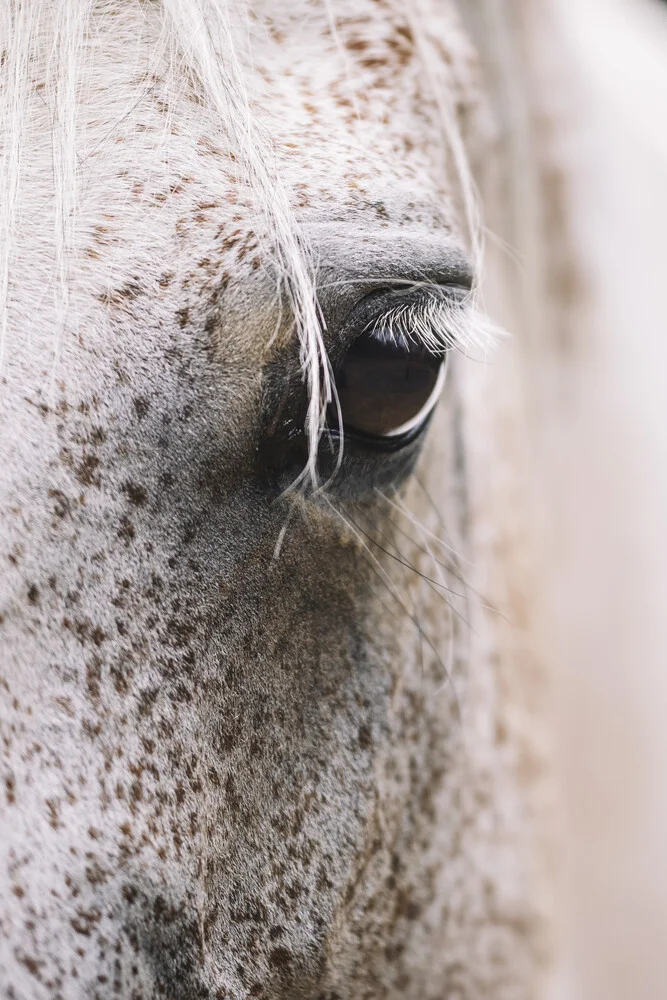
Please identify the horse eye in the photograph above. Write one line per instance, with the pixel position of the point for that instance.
(386, 390)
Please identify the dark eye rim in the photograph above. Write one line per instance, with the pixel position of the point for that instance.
(375, 442)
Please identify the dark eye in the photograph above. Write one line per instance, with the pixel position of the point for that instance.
(386, 389)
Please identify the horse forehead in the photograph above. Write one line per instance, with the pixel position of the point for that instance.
(340, 93)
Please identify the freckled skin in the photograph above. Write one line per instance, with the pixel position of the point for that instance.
(230, 771)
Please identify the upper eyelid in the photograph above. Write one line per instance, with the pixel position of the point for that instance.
(423, 313)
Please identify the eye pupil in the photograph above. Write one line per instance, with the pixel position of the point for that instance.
(386, 390)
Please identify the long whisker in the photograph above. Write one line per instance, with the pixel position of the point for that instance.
(402, 558)
(378, 569)
(439, 567)
(433, 584)
(441, 523)
(455, 572)
(451, 567)
(450, 609)
(355, 532)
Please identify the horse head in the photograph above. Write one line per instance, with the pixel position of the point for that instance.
(254, 738)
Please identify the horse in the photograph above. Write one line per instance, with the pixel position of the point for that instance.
(272, 688)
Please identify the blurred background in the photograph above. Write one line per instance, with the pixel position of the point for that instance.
(605, 488)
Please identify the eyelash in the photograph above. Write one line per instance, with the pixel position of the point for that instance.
(435, 323)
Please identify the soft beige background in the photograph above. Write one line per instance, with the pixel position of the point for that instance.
(607, 509)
